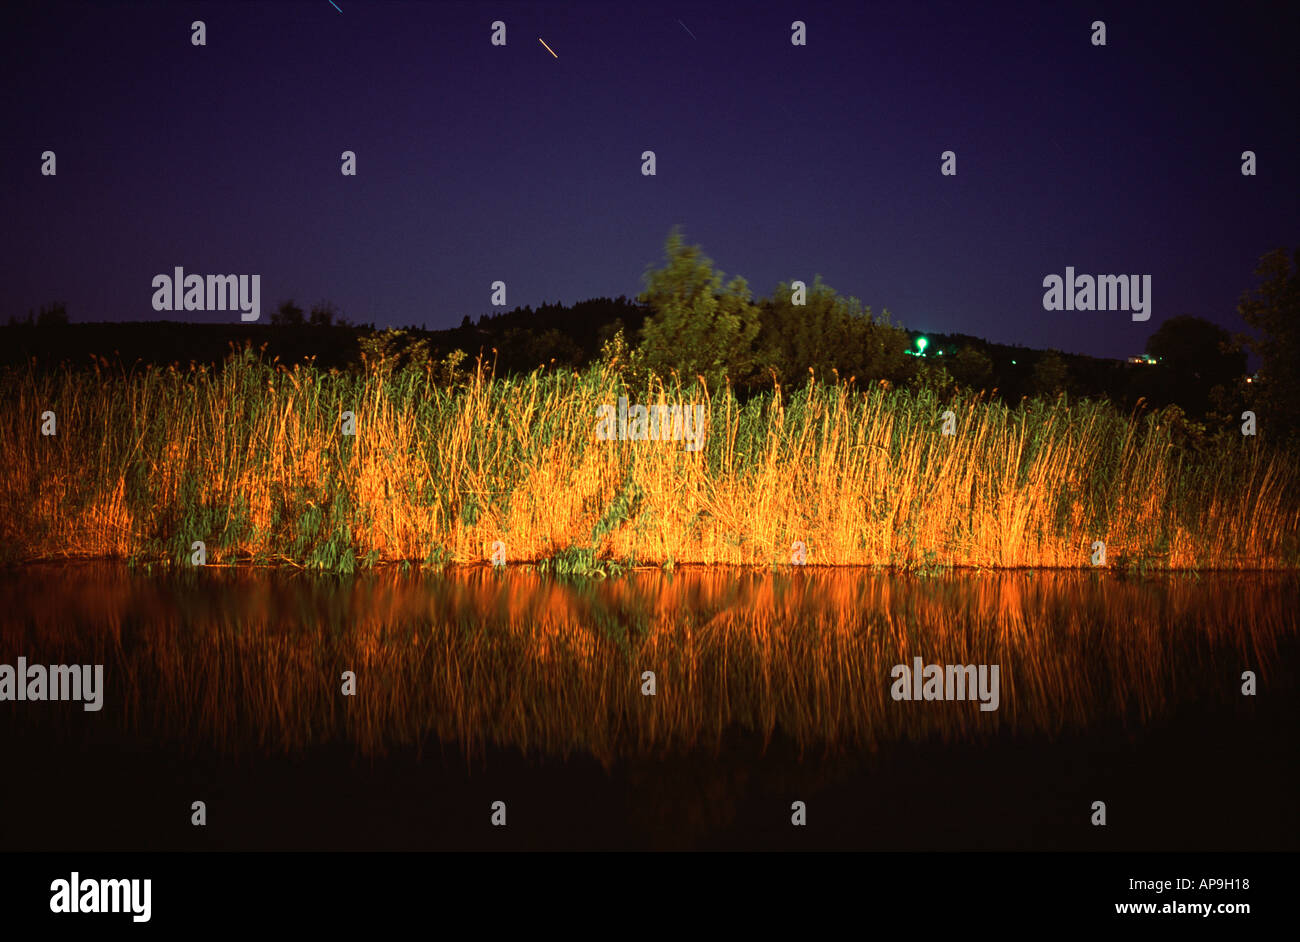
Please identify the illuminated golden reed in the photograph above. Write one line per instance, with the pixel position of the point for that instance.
(250, 459)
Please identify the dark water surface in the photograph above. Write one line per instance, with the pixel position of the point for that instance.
(477, 686)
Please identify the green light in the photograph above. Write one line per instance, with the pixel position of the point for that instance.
(921, 344)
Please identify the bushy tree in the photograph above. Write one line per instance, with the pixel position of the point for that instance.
(618, 355)
(287, 314)
(384, 351)
(828, 332)
(1198, 357)
(697, 326)
(1051, 375)
(50, 315)
(53, 315)
(323, 314)
(971, 368)
(930, 375)
(1273, 309)
(522, 349)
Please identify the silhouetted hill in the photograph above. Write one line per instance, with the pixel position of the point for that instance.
(517, 341)
(523, 338)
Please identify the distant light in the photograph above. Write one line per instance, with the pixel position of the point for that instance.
(1013, 362)
(921, 344)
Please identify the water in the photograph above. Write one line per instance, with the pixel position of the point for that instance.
(480, 685)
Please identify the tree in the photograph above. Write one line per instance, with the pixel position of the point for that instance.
(826, 333)
(1274, 310)
(288, 314)
(323, 314)
(1051, 376)
(697, 326)
(523, 349)
(1198, 356)
(51, 315)
(972, 368)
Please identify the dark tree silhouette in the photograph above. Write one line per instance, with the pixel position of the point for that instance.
(1273, 309)
(1197, 356)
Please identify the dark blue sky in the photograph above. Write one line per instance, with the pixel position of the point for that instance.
(478, 163)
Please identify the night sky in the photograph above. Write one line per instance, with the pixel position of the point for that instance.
(477, 163)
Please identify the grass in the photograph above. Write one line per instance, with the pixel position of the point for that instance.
(250, 459)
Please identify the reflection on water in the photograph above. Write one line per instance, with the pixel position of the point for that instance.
(251, 660)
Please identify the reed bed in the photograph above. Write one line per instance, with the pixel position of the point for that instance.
(250, 459)
(242, 661)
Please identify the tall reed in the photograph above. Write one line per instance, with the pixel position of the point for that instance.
(250, 458)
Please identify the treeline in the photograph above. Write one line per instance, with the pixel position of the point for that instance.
(517, 341)
(692, 321)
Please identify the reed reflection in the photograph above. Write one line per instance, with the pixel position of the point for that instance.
(252, 660)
